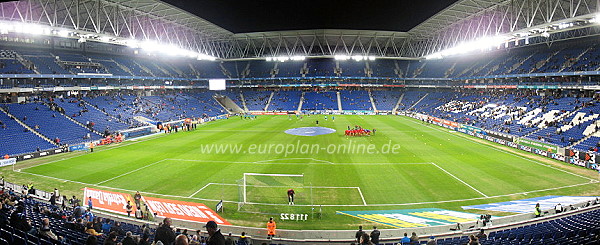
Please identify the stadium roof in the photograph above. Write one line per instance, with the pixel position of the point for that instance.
(457, 12)
(156, 20)
(169, 12)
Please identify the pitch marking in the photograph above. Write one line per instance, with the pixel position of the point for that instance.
(453, 176)
(519, 156)
(361, 196)
(132, 171)
(326, 205)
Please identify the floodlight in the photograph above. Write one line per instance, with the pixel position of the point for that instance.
(357, 57)
(341, 57)
(64, 33)
(132, 43)
(297, 58)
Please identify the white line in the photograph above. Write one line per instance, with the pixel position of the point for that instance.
(308, 186)
(459, 180)
(316, 160)
(193, 194)
(132, 171)
(322, 162)
(324, 205)
(361, 196)
(507, 152)
(97, 150)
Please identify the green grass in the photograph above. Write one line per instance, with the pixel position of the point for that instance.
(433, 167)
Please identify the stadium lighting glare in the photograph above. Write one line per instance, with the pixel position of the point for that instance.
(64, 33)
(297, 58)
(358, 57)
(132, 43)
(285, 58)
(148, 46)
(481, 44)
(341, 57)
(206, 57)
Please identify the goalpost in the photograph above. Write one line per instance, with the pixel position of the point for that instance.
(272, 188)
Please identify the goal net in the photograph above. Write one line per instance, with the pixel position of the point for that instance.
(272, 188)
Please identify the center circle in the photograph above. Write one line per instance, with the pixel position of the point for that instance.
(310, 131)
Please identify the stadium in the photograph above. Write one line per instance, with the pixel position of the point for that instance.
(139, 121)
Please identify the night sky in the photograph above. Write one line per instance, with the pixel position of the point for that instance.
(277, 15)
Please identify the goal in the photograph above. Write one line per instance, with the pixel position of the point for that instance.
(272, 188)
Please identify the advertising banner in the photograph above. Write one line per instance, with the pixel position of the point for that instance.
(411, 218)
(108, 200)
(180, 210)
(528, 205)
(7, 162)
(472, 129)
(80, 147)
(537, 145)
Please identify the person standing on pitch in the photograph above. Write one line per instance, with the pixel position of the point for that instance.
(290, 194)
(271, 226)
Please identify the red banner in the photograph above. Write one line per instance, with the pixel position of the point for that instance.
(181, 210)
(108, 200)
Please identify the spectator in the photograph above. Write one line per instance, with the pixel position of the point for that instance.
(405, 239)
(117, 229)
(89, 229)
(215, 236)
(179, 240)
(91, 240)
(473, 240)
(358, 233)
(432, 241)
(364, 239)
(144, 240)
(45, 230)
(98, 224)
(558, 208)
(414, 239)
(128, 239)
(375, 235)
(243, 239)
(481, 235)
(111, 239)
(106, 226)
(164, 233)
(229, 240)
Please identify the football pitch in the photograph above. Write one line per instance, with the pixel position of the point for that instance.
(405, 164)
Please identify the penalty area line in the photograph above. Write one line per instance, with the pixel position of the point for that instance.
(324, 205)
(198, 191)
(361, 196)
(453, 176)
